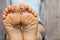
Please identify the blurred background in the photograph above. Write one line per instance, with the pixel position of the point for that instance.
(50, 15)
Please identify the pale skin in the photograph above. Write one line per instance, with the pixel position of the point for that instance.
(21, 23)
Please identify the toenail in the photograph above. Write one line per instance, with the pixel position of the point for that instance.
(9, 8)
(29, 10)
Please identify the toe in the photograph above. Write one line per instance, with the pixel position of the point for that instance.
(32, 12)
(6, 10)
(4, 13)
(9, 8)
(22, 8)
(35, 14)
(3, 17)
(26, 7)
(29, 10)
(15, 8)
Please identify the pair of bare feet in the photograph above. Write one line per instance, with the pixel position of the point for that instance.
(20, 23)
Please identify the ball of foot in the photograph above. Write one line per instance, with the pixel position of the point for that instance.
(11, 15)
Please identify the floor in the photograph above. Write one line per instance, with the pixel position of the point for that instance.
(2, 32)
(50, 14)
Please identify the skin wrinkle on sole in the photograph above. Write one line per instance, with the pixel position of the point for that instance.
(39, 37)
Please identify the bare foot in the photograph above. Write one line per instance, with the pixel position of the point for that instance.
(11, 22)
(29, 23)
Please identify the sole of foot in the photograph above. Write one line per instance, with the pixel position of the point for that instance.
(11, 22)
